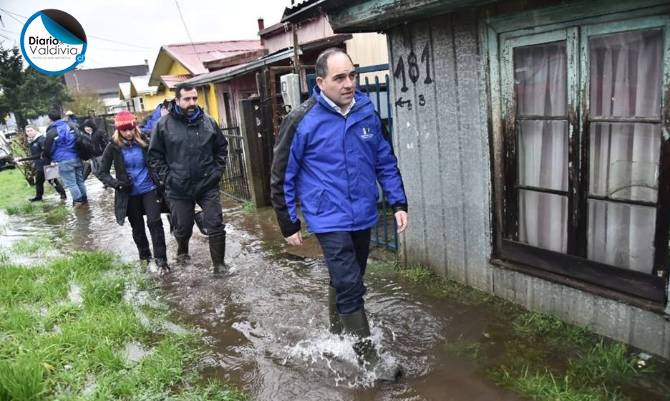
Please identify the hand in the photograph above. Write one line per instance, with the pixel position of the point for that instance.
(295, 239)
(122, 187)
(401, 220)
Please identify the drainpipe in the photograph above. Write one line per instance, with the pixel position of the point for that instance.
(296, 47)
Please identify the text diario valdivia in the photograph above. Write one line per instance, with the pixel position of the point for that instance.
(49, 46)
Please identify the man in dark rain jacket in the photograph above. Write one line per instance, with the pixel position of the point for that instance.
(188, 152)
(330, 155)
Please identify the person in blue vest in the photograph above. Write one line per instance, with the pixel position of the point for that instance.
(60, 147)
(36, 144)
(330, 154)
(136, 190)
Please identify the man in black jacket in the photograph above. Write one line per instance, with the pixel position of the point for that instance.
(188, 152)
(36, 143)
(99, 141)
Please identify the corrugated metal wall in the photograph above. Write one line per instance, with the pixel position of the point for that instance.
(441, 142)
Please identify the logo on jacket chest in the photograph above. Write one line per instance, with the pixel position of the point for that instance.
(366, 133)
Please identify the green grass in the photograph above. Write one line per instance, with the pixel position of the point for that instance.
(52, 348)
(15, 191)
(248, 207)
(31, 246)
(57, 215)
(546, 387)
(534, 354)
(438, 286)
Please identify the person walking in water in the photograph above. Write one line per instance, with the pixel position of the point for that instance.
(36, 144)
(331, 153)
(60, 147)
(136, 192)
(188, 152)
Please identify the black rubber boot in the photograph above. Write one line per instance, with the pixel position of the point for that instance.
(356, 324)
(334, 317)
(217, 250)
(163, 267)
(182, 250)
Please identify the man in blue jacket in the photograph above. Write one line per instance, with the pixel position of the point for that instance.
(330, 154)
(60, 147)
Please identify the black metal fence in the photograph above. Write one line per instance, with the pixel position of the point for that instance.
(384, 233)
(234, 182)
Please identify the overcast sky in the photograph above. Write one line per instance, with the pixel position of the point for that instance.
(126, 32)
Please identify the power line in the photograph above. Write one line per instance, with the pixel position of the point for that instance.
(13, 14)
(187, 32)
(120, 43)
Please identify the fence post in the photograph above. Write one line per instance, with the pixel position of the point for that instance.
(260, 193)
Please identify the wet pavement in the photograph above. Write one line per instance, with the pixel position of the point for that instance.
(266, 320)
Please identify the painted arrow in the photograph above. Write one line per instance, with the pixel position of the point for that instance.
(402, 103)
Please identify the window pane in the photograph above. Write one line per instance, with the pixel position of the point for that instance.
(621, 235)
(543, 154)
(540, 79)
(626, 70)
(624, 160)
(543, 220)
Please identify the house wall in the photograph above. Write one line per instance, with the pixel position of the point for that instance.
(442, 145)
(177, 69)
(314, 29)
(151, 101)
(368, 49)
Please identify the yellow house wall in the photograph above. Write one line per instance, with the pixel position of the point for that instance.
(177, 69)
(151, 101)
(213, 103)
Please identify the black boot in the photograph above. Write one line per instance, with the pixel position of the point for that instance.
(334, 317)
(217, 250)
(182, 250)
(163, 267)
(356, 324)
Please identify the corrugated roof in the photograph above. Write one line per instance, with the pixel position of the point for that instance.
(227, 73)
(171, 81)
(192, 56)
(102, 80)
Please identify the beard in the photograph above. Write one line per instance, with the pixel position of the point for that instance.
(189, 110)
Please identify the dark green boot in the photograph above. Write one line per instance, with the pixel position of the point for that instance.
(182, 250)
(334, 317)
(217, 250)
(356, 324)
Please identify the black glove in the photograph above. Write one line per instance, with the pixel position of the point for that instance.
(122, 187)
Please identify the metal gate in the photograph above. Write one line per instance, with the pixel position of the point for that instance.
(234, 182)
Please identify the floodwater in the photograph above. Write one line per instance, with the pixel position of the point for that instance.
(266, 320)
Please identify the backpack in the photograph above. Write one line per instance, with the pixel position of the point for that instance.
(84, 146)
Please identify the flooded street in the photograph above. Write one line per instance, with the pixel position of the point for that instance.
(266, 320)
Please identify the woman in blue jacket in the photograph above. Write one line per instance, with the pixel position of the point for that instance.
(136, 192)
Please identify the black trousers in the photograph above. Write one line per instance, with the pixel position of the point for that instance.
(39, 184)
(183, 212)
(346, 255)
(149, 204)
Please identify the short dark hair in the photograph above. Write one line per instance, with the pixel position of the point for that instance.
(321, 64)
(182, 87)
(89, 123)
(54, 115)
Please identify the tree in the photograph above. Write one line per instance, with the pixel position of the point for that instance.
(84, 102)
(26, 92)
